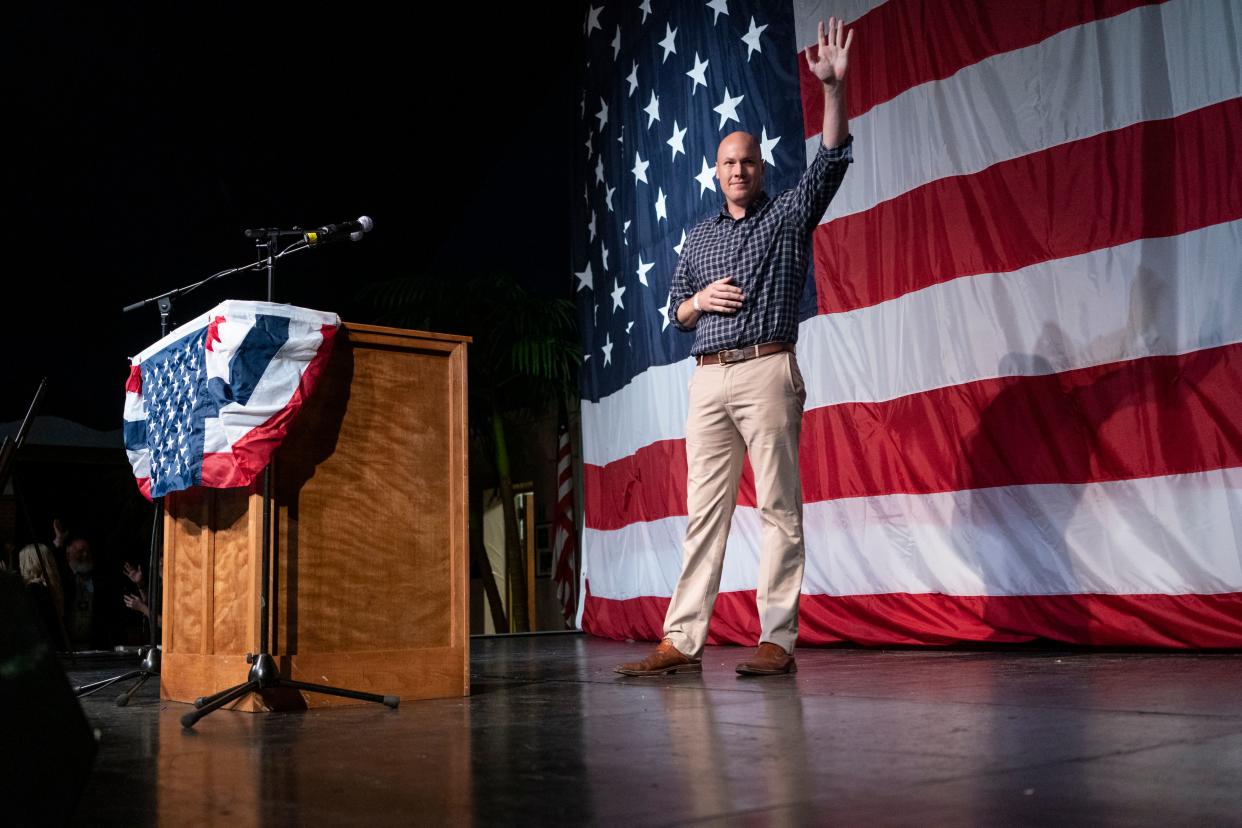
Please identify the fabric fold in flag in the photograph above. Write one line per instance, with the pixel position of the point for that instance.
(209, 404)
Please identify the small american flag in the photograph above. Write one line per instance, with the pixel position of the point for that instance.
(563, 537)
(209, 404)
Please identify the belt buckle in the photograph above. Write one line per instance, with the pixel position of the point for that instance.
(731, 356)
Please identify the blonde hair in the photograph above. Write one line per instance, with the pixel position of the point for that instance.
(39, 567)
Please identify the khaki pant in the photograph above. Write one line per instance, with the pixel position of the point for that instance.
(752, 407)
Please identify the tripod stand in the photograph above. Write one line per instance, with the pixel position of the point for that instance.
(264, 674)
(150, 665)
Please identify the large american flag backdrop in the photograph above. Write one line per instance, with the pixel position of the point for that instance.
(1022, 340)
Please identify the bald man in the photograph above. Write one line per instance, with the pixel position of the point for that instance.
(737, 288)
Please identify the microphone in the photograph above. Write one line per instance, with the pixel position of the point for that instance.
(352, 230)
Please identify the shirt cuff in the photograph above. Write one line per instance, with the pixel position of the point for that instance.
(672, 316)
(841, 152)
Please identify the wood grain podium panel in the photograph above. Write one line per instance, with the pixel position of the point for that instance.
(370, 578)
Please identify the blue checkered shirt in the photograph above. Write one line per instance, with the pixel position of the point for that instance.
(766, 251)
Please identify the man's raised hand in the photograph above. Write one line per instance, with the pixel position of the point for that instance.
(831, 62)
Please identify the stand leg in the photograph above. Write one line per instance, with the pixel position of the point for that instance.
(390, 701)
(219, 700)
(203, 701)
(95, 686)
(123, 699)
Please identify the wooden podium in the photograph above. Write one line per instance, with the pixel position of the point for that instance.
(370, 580)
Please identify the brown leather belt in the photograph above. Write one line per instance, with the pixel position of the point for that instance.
(743, 354)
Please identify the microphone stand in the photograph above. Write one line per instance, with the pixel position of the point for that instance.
(264, 674)
(150, 665)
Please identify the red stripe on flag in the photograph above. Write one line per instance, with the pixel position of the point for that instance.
(250, 455)
(1180, 621)
(1143, 418)
(213, 332)
(1157, 178)
(133, 385)
(965, 33)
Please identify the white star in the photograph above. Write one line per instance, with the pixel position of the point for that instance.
(751, 39)
(661, 209)
(698, 74)
(653, 110)
(582, 105)
(602, 114)
(728, 108)
(591, 226)
(677, 247)
(608, 197)
(643, 268)
(625, 228)
(595, 313)
(677, 142)
(589, 143)
(766, 145)
(593, 20)
(616, 44)
(601, 244)
(632, 80)
(621, 137)
(669, 44)
(646, 7)
(640, 169)
(607, 349)
(599, 170)
(585, 278)
(719, 7)
(628, 325)
(706, 178)
(664, 313)
(617, 290)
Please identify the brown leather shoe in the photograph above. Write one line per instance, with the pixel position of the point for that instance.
(666, 659)
(770, 660)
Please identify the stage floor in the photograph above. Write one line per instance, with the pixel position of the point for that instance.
(552, 736)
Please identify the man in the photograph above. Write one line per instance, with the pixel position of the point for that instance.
(81, 607)
(737, 286)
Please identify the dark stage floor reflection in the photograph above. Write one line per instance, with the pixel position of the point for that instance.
(552, 736)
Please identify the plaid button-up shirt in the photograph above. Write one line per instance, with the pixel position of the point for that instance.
(766, 251)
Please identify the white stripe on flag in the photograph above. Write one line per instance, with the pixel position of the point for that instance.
(1162, 535)
(808, 14)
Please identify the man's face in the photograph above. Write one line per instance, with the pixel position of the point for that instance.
(81, 561)
(739, 168)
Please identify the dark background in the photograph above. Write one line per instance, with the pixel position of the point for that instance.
(142, 138)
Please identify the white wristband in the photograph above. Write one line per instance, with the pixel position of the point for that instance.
(697, 307)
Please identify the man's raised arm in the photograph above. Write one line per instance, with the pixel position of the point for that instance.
(809, 199)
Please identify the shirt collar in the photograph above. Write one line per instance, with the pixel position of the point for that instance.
(754, 208)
